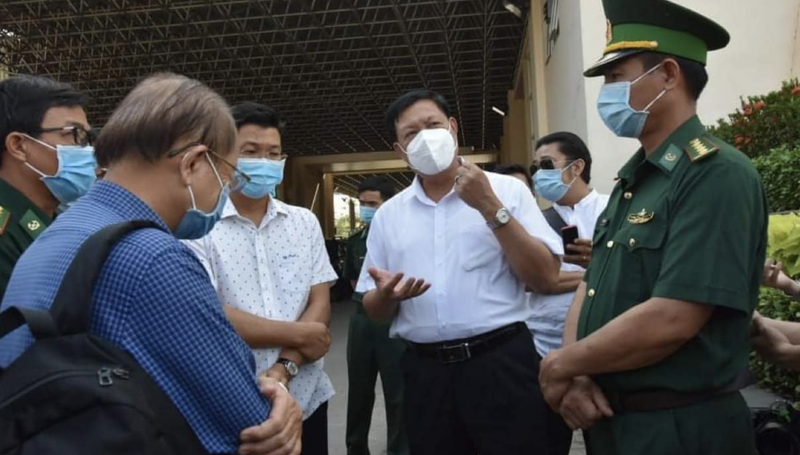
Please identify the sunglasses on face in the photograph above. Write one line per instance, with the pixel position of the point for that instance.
(547, 164)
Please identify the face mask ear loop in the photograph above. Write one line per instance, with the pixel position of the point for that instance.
(647, 108)
(646, 73)
(191, 196)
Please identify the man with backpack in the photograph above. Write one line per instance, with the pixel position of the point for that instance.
(168, 148)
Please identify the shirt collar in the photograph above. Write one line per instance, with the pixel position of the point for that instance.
(675, 143)
(18, 204)
(416, 190)
(123, 202)
(588, 200)
(274, 209)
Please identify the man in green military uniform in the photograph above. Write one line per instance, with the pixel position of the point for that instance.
(38, 117)
(369, 348)
(658, 332)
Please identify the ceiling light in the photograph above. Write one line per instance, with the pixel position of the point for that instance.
(512, 8)
(494, 108)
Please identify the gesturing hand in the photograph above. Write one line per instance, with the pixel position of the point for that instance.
(473, 187)
(392, 288)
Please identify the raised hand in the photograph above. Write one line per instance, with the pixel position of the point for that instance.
(392, 288)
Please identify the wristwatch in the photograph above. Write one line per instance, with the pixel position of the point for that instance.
(290, 366)
(501, 218)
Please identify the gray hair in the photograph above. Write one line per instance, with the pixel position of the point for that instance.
(161, 110)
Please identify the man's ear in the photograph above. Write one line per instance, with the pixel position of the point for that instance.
(672, 72)
(190, 163)
(454, 128)
(15, 146)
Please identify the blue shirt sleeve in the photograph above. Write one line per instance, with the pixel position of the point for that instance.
(179, 334)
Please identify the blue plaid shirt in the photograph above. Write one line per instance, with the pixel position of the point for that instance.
(153, 299)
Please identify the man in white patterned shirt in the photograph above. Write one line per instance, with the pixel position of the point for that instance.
(268, 264)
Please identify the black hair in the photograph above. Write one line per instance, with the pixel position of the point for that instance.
(252, 113)
(25, 99)
(572, 147)
(408, 99)
(694, 72)
(510, 169)
(379, 184)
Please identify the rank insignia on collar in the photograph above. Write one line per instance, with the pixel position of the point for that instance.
(31, 224)
(641, 218)
(701, 148)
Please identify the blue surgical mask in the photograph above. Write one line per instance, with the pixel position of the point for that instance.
(195, 223)
(614, 106)
(366, 213)
(75, 174)
(549, 184)
(264, 174)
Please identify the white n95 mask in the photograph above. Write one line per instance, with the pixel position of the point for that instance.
(432, 151)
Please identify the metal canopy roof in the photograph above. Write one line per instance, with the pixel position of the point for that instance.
(330, 67)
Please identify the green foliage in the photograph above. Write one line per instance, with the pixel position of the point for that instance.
(780, 173)
(763, 123)
(774, 304)
(343, 230)
(784, 241)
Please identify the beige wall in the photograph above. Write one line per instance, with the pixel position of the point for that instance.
(762, 53)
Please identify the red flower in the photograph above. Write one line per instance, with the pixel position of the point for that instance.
(739, 141)
(760, 105)
(796, 90)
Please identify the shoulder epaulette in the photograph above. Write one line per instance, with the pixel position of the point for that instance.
(701, 148)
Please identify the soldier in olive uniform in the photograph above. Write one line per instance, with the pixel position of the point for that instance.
(38, 118)
(658, 332)
(369, 348)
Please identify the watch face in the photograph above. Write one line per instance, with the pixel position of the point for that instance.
(291, 367)
(503, 216)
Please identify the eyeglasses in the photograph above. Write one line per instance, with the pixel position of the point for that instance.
(547, 164)
(238, 178)
(80, 135)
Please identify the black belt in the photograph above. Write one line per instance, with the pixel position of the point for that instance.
(659, 400)
(456, 351)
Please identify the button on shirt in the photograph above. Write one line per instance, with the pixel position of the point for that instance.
(268, 271)
(154, 300)
(550, 311)
(449, 245)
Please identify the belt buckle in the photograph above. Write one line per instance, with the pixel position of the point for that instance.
(454, 354)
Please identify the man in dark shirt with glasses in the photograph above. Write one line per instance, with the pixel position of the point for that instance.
(46, 160)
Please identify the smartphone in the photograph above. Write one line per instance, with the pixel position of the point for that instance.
(569, 234)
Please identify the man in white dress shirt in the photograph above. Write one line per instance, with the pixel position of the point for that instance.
(563, 167)
(268, 263)
(473, 240)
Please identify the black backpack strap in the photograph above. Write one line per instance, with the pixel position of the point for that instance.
(554, 220)
(39, 322)
(72, 306)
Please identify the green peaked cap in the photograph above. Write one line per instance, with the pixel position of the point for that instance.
(662, 26)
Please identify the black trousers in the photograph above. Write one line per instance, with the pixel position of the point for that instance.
(488, 405)
(559, 434)
(315, 432)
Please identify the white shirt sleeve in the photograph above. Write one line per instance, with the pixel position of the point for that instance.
(530, 216)
(323, 271)
(200, 248)
(376, 255)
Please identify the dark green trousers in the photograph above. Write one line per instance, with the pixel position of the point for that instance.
(370, 351)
